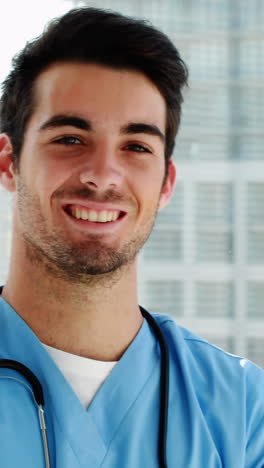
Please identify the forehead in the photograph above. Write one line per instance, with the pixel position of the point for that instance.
(104, 95)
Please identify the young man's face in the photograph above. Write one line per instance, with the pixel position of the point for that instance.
(93, 148)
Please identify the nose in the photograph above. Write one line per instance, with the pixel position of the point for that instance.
(101, 170)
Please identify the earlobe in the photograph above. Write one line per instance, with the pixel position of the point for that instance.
(168, 186)
(7, 173)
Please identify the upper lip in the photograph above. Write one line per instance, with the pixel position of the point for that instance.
(91, 205)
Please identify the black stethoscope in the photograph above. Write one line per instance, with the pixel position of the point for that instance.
(37, 391)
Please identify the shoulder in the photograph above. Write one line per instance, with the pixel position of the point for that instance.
(205, 360)
(227, 390)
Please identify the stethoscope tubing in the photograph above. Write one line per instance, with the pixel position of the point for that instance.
(38, 397)
(37, 391)
(164, 388)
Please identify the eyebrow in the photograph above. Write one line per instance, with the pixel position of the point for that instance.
(66, 120)
(139, 127)
(84, 124)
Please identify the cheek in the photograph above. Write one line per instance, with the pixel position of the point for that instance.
(49, 177)
(153, 183)
(148, 194)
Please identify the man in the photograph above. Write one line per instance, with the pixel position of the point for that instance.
(89, 115)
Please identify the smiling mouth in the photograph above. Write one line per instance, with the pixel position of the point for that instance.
(102, 216)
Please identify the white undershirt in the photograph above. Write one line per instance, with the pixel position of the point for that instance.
(84, 375)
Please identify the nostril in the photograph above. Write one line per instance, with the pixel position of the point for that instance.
(90, 183)
(100, 178)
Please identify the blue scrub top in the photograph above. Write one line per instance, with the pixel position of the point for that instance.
(216, 405)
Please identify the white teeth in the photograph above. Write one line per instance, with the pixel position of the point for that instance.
(109, 216)
(103, 216)
(84, 214)
(95, 216)
(91, 215)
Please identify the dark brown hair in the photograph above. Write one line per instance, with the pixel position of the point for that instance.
(93, 35)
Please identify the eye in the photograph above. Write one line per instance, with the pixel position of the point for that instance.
(137, 148)
(68, 140)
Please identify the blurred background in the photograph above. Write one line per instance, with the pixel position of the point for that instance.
(204, 263)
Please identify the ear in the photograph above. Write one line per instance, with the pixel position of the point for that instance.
(168, 186)
(7, 173)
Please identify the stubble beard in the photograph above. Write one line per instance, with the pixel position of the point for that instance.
(84, 262)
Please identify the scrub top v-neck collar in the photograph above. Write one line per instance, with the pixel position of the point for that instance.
(98, 424)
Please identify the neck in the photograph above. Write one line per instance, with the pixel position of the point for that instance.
(98, 319)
